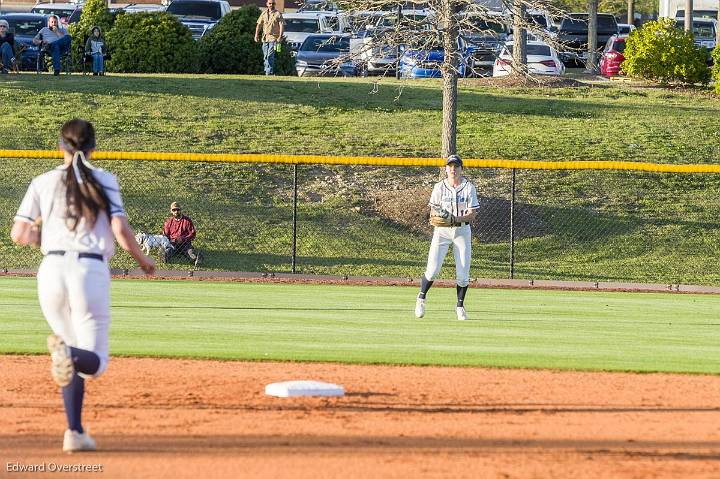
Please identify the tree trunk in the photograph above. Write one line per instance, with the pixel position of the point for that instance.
(450, 80)
(688, 15)
(519, 38)
(631, 12)
(592, 37)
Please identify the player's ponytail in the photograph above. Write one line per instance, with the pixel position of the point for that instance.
(84, 195)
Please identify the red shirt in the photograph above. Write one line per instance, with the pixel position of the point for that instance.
(179, 230)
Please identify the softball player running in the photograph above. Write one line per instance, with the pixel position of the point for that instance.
(72, 214)
(453, 205)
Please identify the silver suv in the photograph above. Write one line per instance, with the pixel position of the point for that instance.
(200, 16)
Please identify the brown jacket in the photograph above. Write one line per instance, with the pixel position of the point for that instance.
(270, 22)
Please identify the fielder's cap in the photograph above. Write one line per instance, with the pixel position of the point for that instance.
(454, 159)
(174, 205)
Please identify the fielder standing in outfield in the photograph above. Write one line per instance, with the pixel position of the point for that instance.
(453, 205)
(74, 213)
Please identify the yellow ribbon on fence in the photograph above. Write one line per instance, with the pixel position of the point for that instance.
(370, 160)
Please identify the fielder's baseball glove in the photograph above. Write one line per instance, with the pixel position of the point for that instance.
(438, 211)
(441, 217)
(440, 221)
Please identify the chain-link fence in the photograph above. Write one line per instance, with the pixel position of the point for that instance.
(589, 225)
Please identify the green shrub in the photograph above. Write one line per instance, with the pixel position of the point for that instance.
(94, 13)
(659, 51)
(285, 61)
(716, 68)
(151, 43)
(230, 47)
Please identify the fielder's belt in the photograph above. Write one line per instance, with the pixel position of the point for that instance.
(96, 256)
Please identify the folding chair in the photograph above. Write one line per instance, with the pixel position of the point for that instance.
(85, 58)
(44, 64)
(19, 50)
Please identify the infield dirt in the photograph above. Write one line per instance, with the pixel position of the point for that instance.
(156, 418)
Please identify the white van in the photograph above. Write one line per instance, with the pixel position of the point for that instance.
(704, 31)
(676, 8)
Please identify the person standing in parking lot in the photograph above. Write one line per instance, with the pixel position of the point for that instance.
(7, 47)
(272, 24)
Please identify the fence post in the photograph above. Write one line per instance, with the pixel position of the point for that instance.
(512, 226)
(294, 218)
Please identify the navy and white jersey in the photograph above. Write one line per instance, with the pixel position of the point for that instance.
(45, 198)
(458, 201)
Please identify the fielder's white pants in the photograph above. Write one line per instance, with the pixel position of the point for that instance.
(460, 239)
(75, 300)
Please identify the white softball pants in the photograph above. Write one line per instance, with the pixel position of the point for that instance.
(460, 239)
(75, 300)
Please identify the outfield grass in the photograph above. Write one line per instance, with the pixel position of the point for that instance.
(248, 114)
(356, 324)
(572, 225)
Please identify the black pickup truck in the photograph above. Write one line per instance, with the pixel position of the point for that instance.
(573, 35)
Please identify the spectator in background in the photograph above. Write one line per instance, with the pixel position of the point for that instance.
(57, 40)
(272, 24)
(180, 230)
(95, 48)
(7, 47)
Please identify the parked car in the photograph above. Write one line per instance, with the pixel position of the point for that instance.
(711, 12)
(325, 55)
(25, 26)
(405, 5)
(318, 6)
(612, 56)
(573, 35)
(542, 59)
(410, 19)
(67, 12)
(426, 63)
(704, 30)
(200, 16)
(357, 22)
(299, 26)
(143, 8)
(378, 55)
(541, 18)
(625, 28)
(483, 42)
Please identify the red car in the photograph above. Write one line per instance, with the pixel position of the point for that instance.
(612, 56)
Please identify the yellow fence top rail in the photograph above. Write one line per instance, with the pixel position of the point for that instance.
(371, 160)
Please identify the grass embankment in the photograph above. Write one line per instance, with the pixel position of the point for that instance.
(571, 225)
(534, 329)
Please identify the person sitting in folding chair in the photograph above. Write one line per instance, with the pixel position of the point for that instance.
(7, 47)
(95, 48)
(55, 39)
